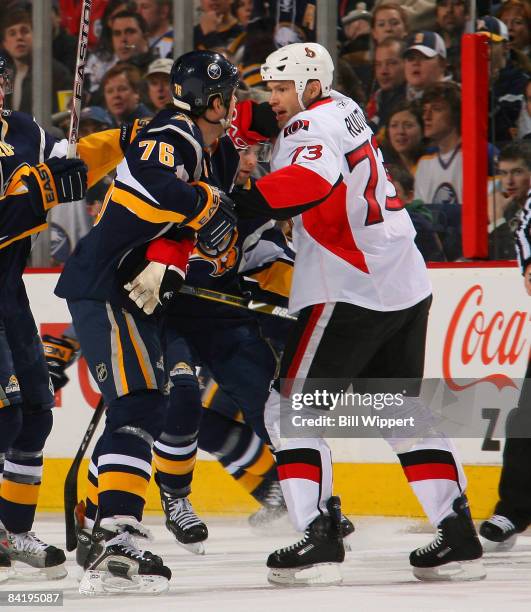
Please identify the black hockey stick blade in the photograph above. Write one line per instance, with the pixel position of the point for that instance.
(72, 477)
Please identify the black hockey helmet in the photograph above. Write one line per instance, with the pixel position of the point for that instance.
(196, 77)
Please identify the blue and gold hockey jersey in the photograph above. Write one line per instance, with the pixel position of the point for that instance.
(151, 195)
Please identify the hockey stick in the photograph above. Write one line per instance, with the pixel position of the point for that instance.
(237, 301)
(71, 477)
(81, 61)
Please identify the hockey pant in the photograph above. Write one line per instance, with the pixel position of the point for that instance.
(344, 341)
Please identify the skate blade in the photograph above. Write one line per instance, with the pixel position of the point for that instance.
(321, 574)
(457, 571)
(348, 542)
(491, 546)
(197, 548)
(20, 572)
(95, 583)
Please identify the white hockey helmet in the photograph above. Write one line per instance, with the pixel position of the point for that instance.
(300, 62)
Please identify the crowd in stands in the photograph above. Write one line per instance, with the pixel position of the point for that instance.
(401, 61)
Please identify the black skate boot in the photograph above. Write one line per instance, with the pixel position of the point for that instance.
(83, 535)
(269, 495)
(314, 560)
(454, 553)
(116, 565)
(347, 529)
(26, 549)
(499, 533)
(187, 528)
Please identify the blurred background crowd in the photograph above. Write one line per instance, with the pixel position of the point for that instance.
(401, 61)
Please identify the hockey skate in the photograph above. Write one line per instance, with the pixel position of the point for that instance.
(314, 560)
(455, 552)
(25, 549)
(498, 534)
(269, 495)
(181, 520)
(116, 565)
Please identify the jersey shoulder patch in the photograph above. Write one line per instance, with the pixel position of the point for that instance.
(298, 124)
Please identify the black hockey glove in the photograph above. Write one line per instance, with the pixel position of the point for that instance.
(57, 181)
(60, 353)
(219, 225)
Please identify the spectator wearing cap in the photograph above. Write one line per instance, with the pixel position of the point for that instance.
(17, 40)
(356, 22)
(391, 80)
(158, 82)
(508, 81)
(355, 48)
(158, 16)
(425, 62)
(121, 90)
(94, 119)
(451, 16)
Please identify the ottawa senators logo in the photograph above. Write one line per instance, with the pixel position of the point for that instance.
(299, 124)
(309, 52)
(223, 258)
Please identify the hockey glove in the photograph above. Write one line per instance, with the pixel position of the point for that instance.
(57, 181)
(59, 353)
(162, 274)
(222, 222)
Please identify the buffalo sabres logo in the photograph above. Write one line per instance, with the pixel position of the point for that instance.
(222, 258)
(309, 52)
(214, 71)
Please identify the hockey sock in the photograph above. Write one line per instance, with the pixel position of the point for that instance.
(175, 451)
(23, 471)
(305, 475)
(436, 476)
(245, 457)
(91, 502)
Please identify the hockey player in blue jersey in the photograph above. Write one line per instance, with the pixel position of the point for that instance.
(32, 180)
(157, 193)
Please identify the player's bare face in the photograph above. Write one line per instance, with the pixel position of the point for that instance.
(283, 100)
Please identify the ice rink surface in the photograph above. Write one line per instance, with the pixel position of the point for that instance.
(231, 577)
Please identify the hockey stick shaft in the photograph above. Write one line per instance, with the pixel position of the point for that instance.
(81, 61)
(237, 301)
(70, 492)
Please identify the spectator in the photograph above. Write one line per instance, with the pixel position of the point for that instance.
(70, 12)
(348, 82)
(128, 44)
(242, 10)
(389, 19)
(121, 90)
(516, 15)
(64, 45)
(403, 143)
(94, 119)
(355, 23)
(425, 62)
(508, 81)
(17, 40)
(451, 16)
(439, 177)
(427, 240)
(389, 75)
(158, 16)
(514, 170)
(524, 120)
(218, 27)
(158, 81)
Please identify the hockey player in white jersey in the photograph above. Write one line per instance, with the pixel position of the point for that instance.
(363, 295)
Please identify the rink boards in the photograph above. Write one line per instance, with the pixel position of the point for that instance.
(479, 329)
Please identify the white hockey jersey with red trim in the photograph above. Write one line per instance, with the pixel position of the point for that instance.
(357, 245)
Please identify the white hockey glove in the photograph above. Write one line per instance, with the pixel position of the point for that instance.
(154, 280)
